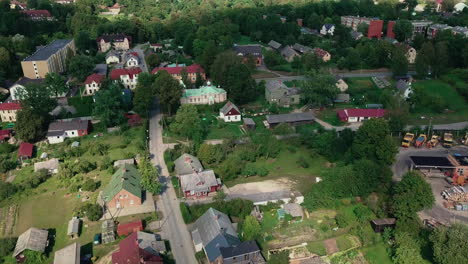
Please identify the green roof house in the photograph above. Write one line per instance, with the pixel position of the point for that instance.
(208, 94)
(124, 189)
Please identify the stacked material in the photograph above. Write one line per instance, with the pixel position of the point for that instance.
(456, 194)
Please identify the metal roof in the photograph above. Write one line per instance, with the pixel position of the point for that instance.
(68, 255)
(127, 177)
(187, 164)
(33, 239)
(243, 248)
(227, 107)
(290, 118)
(46, 51)
(51, 164)
(431, 162)
(73, 226)
(198, 181)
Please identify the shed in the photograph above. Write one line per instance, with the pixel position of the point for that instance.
(33, 239)
(274, 45)
(107, 229)
(292, 119)
(119, 163)
(294, 209)
(73, 228)
(25, 151)
(75, 144)
(379, 225)
(249, 124)
(124, 229)
(342, 98)
(51, 166)
(68, 255)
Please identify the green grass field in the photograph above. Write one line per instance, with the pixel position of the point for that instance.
(377, 254)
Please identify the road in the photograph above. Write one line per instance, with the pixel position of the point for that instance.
(342, 74)
(173, 226)
(327, 126)
(448, 127)
(141, 55)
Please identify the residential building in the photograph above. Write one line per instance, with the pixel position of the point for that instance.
(176, 72)
(157, 47)
(61, 129)
(38, 15)
(199, 184)
(379, 225)
(128, 77)
(124, 189)
(73, 228)
(274, 45)
(19, 86)
(434, 29)
(100, 68)
(114, 41)
(8, 111)
(207, 94)
(359, 115)
(277, 92)
(33, 239)
(50, 58)
(131, 60)
(292, 119)
(342, 98)
(301, 48)
(390, 26)
(214, 234)
(404, 87)
(250, 51)
(93, 83)
(230, 113)
(463, 31)
(187, 164)
(138, 248)
(25, 151)
(420, 27)
(64, 2)
(112, 57)
(323, 54)
(16, 4)
(124, 229)
(5, 135)
(309, 31)
(341, 84)
(70, 254)
(289, 53)
(356, 35)
(115, 9)
(327, 29)
(375, 25)
(52, 166)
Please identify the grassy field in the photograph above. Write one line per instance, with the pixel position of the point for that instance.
(329, 115)
(245, 40)
(377, 254)
(363, 91)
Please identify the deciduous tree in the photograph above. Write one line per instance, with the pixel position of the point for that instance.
(108, 105)
(399, 62)
(168, 90)
(36, 97)
(412, 194)
(55, 84)
(449, 244)
(149, 177)
(80, 66)
(407, 250)
(187, 123)
(319, 90)
(403, 30)
(30, 126)
(250, 228)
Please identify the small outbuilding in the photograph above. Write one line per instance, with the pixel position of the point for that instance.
(292, 119)
(230, 113)
(51, 166)
(25, 151)
(124, 229)
(342, 98)
(295, 210)
(73, 228)
(379, 225)
(34, 239)
(119, 163)
(274, 45)
(68, 255)
(249, 124)
(107, 231)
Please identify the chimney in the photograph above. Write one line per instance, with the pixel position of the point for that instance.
(299, 22)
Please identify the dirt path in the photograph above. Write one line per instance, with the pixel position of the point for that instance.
(8, 220)
(264, 186)
(330, 245)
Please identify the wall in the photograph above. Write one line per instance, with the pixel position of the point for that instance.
(125, 199)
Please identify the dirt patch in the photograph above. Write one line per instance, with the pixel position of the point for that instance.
(8, 220)
(264, 186)
(330, 246)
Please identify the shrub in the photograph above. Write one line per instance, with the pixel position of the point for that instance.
(302, 162)
(99, 149)
(184, 209)
(105, 163)
(7, 165)
(74, 188)
(343, 220)
(90, 185)
(362, 213)
(6, 148)
(249, 170)
(262, 171)
(7, 189)
(92, 211)
(6, 246)
(324, 227)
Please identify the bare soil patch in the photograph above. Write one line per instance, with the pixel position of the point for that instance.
(330, 245)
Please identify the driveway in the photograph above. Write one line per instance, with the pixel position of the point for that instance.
(141, 55)
(173, 226)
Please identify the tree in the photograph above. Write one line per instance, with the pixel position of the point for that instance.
(250, 228)
(6, 246)
(441, 62)
(144, 94)
(411, 195)
(373, 142)
(399, 62)
(30, 126)
(187, 123)
(240, 85)
(83, 41)
(56, 84)
(152, 60)
(449, 244)
(5, 59)
(168, 89)
(221, 66)
(319, 90)
(80, 66)
(185, 78)
(425, 59)
(108, 105)
(92, 211)
(403, 30)
(406, 250)
(36, 97)
(149, 177)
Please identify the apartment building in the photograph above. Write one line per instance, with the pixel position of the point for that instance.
(375, 25)
(49, 58)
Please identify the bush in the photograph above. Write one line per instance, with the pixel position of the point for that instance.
(184, 209)
(98, 149)
(7, 189)
(324, 227)
(6, 246)
(343, 220)
(105, 163)
(7, 165)
(90, 185)
(302, 162)
(362, 213)
(92, 211)
(6, 148)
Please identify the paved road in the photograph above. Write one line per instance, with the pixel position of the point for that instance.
(141, 55)
(173, 226)
(452, 126)
(343, 74)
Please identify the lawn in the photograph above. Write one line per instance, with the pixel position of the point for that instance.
(83, 105)
(245, 40)
(329, 115)
(377, 254)
(363, 91)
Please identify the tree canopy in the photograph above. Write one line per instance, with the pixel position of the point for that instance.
(449, 244)
(411, 195)
(187, 123)
(108, 105)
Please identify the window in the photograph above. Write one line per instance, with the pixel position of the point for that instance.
(132, 202)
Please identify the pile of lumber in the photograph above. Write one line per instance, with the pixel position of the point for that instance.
(456, 194)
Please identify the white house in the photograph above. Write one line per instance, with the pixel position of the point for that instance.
(61, 129)
(404, 88)
(93, 83)
(327, 29)
(230, 113)
(112, 57)
(128, 77)
(131, 59)
(15, 89)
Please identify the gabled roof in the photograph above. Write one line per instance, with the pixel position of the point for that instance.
(97, 78)
(129, 227)
(204, 90)
(25, 150)
(127, 177)
(228, 107)
(114, 37)
(328, 26)
(45, 52)
(288, 52)
(293, 209)
(301, 48)
(402, 85)
(289, 118)
(132, 72)
(68, 255)
(37, 13)
(248, 50)
(113, 53)
(25, 80)
(274, 44)
(320, 52)
(132, 55)
(73, 226)
(65, 125)
(187, 164)
(198, 181)
(51, 164)
(194, 68)
(342, 97)
(33, 239)
(239, 250)
(216, 231)
(345, 113)
(4, 134)
(10, 106)
(130, 252)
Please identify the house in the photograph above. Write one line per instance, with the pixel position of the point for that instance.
(199, 184)
(157, 47)
(131, 59)
(359, 115)
(375, 25)
(25, 151)
(61, 129)
(33, 239)
(38, 15)
(20, 86)
(8, 111)
(250, 51)
(187, 164)
(115, 9)
(70, 254)
(342, 98)
(301, 48)
(124, 189)
(390, 26)
(404, 87)
(119, 163)
(292, 119)
(93, 83)
(463, 31)
(214, 234)
(277, 92)
(133, 120)
(207, 94)
(100, 68)
(420, 27)
(108, 231)
(323, 54)
(15, 4)
(73, 230)
(274, 45)
(124, 229)
(379, 225)
(5, 134)
(327, 29)
(289, 53)
(341, 84)
(176, 72)
(51, 166)
(112, 57)
(249, 124)
(64, 2)
(356, 35)
(434, 29)
(230, 113)
(115, 41)
(128, 77)
(50, 58)
(295, 210)
(137, 248)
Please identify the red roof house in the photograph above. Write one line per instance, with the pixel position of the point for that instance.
(38, 14)
(375, 29)
(133, 120)
(390, 33)
(116, 73)
(133, 250)
(194, 68)
(25, 151)
(124, 229)
(358, 115)
(5, 134)
(10, 106)
(97, 78)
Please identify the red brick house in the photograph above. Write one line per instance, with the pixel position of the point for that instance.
(359, 115)
(25, 151)
(138, 248)
(250, 51)
(176, 72)
(124, 229)
(199, 184)
(124, 189)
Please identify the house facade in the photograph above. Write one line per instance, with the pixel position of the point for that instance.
(50, 58)
(359, 115)
(8, 111)
(327, 29)
(323, 54)
(128, 77)
(112, 57)
(176, 72)
(199, 184)
(93, 84)
(114, 41)
(277, 92)
(250, 51)
(124, 189)
(131, 60)
(230, 113)
(208, 94)
(61, 129)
